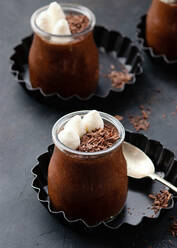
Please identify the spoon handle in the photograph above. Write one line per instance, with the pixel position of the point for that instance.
(165, 182)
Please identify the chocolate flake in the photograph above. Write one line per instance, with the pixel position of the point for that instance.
(77, 23)
(112, 67)
(119, 117)
(170, 241)
(98, 140)
(140, 122)
(173, 228)
(119, 78)
(161, 200)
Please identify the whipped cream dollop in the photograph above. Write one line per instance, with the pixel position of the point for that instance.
(93, 121)
(53, 21)
(69, 138)
(76, 127)
(168, 1)
(77, 124)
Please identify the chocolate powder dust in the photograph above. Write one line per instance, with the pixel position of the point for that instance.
(77, 23)
(98, 140)
(161, 200)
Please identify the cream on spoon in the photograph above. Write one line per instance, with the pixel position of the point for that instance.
(139, 165)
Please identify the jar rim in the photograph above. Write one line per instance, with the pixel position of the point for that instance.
(66, 7)
(106, 117)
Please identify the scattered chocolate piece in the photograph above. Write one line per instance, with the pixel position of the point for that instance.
(144, 114)
(119, 78)
(141, 107)
(119, 117)
(112, 67)
(170, 241)
(140, 122)
(100, 139)
(174, 113)
(171, 217)
(173, 229)
(77, 23)
(161, 200)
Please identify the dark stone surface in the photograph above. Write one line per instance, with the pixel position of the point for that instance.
(26, 132)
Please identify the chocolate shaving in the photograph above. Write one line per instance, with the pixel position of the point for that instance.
(119, 78)
(140, 122)
(77, 23)
(173, 229)
(161, 200)
(174, 113)
(112, 67)
(98, 140)
(119, 117)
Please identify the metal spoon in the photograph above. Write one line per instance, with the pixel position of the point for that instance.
(139, 165)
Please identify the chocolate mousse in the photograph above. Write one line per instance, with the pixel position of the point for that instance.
(161, 28)
(64, 59)
(89, 180)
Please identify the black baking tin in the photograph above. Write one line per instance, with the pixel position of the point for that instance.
(141, 37)
(114, 48)
(138, 205)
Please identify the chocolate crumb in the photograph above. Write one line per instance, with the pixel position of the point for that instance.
(174, 113)
(77, 23)
(171, 217)
(98, 140)
(161, 200)
(170, 241)
(112, 67)
(141, 107)
(173, 229)
(119, 78)
(119, 117)
(140, 122)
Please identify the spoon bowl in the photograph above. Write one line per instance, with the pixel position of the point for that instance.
(139, 165)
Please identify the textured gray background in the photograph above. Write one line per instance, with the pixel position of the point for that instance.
(25, 132)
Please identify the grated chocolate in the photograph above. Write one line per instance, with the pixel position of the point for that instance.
(140, 122)
(161, 200)
(173, 228)
(119, 78)
(98, 140)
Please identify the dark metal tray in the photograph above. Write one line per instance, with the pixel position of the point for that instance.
(114, 49)
(138, 205)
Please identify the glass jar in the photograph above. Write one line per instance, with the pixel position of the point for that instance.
(161, 28)
(68, 68)
(88, 185)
